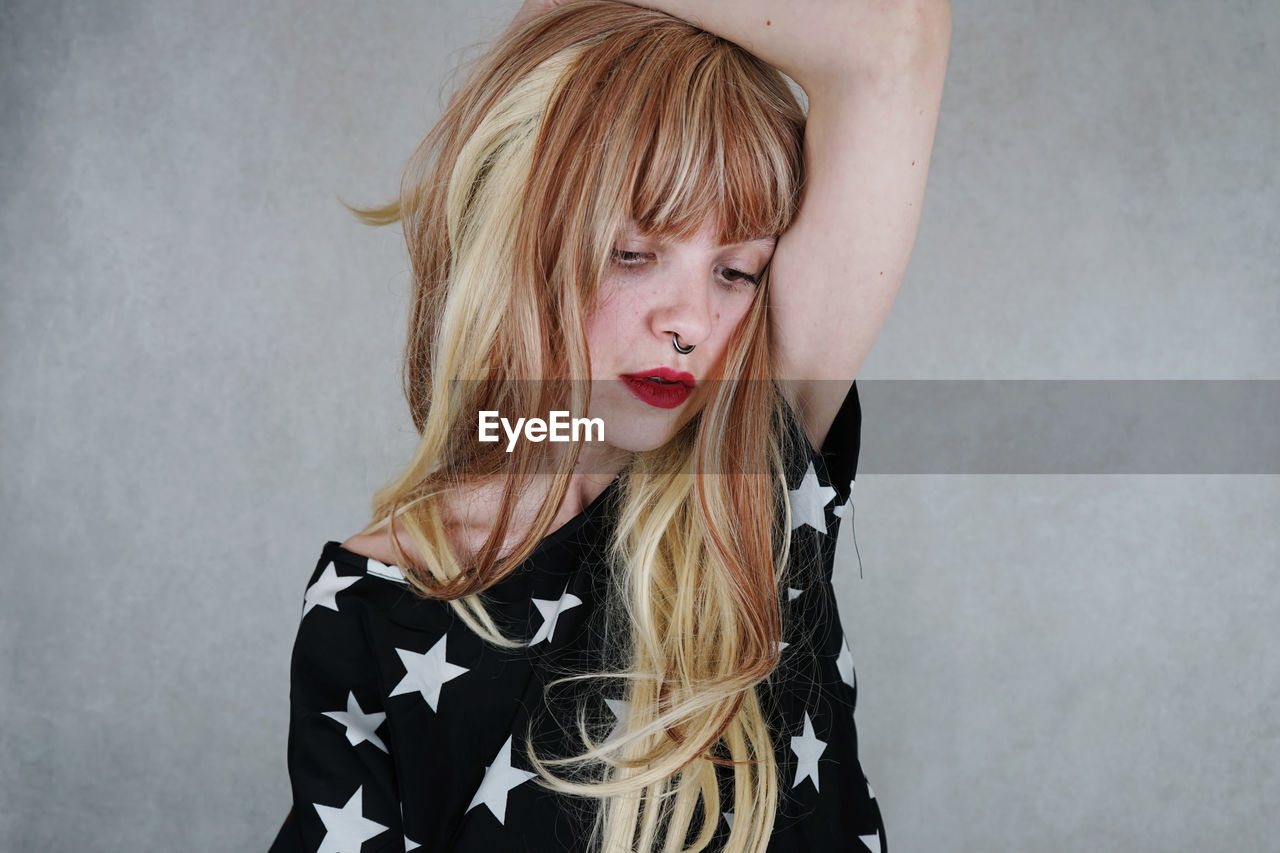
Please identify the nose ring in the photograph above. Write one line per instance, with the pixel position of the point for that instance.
(675, 342)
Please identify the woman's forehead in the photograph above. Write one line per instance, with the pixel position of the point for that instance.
(708, 230)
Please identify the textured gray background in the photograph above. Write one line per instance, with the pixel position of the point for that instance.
(200, 387)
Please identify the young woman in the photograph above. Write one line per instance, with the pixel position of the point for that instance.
(626, 640)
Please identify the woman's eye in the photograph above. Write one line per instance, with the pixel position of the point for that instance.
(628, 259)
(738, 276)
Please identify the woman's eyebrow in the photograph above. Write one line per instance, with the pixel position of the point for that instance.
(767, 242)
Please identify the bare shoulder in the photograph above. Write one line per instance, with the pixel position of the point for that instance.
(466, 534)
(375, 545)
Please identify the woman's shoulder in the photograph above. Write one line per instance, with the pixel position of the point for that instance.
(345, 573)
(466, 516)
(375, 545)
(356, 586)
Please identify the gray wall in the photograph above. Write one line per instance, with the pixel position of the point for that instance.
(200, 387)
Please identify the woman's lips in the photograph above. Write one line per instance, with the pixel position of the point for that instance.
(661, 387)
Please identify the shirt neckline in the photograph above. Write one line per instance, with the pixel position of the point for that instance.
(561, 534)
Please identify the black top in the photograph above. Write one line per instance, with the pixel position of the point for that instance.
(407, 730)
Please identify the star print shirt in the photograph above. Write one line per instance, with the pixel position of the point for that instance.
(407, 729)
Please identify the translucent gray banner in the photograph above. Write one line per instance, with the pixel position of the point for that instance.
(919, 426)
(1070, 427)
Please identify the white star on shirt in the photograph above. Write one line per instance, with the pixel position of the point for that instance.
(839, 511)
(551, 610)
(499, 778)
(844, 663)
(324, 592)
(384, 571)
(808, 750)
(728, 818)
(359, 725)
(793, 593)
(409, 844)
(809, 502)
(346, 828)
(426, 673)
(620, 709)
(872, 842)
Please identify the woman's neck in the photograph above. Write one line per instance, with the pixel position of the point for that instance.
(470, 512)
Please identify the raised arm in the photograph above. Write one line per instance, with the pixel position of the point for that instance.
(873, 72)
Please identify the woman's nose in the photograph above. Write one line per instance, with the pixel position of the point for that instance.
(686, 309)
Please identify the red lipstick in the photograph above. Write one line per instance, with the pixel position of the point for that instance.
(661, 386)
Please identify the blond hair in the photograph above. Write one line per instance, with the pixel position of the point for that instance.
(583, 118)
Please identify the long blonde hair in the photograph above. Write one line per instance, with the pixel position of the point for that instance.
(584, 117)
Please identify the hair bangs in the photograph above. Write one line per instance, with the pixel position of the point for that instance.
(718, 138)
(657, 123)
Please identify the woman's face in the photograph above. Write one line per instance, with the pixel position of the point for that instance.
(694, 288)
